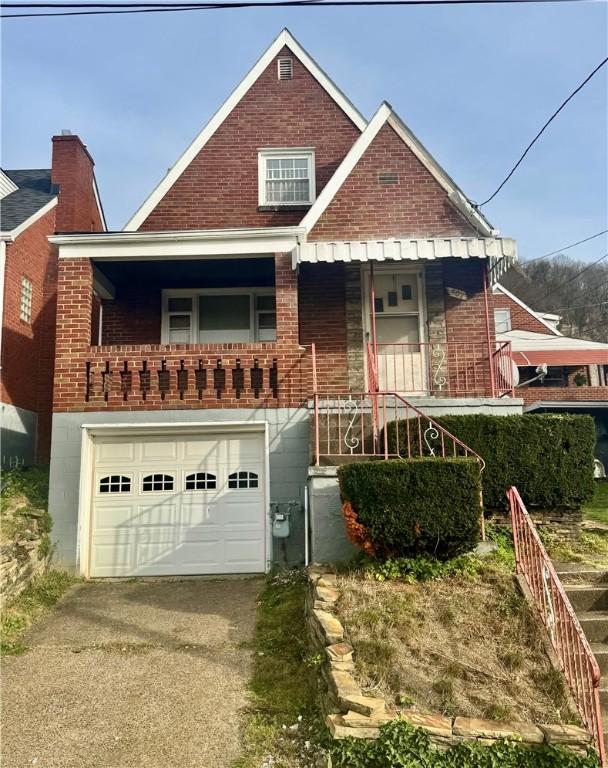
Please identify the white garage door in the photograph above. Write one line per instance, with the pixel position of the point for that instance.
(171, 505)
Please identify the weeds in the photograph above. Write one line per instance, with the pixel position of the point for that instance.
(36, 599)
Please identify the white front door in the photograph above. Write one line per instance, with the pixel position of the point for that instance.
(178, 505)
(399, 324)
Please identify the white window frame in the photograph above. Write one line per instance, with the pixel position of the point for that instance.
(196, 294)
(26, 300)
(506, 312)
(277, 154)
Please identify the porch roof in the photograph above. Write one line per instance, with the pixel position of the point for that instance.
(501, 252)
(530, 348)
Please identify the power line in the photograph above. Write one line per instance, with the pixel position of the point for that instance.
(542, 130)
(564, 248)
(129, 8)
(579, 306)
(578, 274)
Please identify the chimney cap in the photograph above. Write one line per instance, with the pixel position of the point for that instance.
(66, 132)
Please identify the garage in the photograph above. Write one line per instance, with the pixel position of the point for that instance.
(170, 504)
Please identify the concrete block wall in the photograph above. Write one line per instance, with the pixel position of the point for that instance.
(289, 458)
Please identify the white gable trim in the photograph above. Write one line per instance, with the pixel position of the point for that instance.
(498, 288)
(7, 185)
(14, 233)
(285, 38)
(386, 115)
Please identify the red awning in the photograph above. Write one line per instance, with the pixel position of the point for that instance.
(562, 357)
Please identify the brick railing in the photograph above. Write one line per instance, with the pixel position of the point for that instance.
(155, 377)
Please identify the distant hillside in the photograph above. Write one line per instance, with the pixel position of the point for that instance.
(556, 285)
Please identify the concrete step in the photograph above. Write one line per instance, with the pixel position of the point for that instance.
(588, 597)
(600, 651)
(594, 625)
(577, 573)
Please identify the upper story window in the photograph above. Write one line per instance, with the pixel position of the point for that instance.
(502, 320)
(25, 307)
(286, 177)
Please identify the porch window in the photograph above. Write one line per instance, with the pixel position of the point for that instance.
(219, 316)
(286, 177)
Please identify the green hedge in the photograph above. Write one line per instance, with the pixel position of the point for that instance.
(414, 506)
(548, 457)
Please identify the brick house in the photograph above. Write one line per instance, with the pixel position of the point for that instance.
(34, 204)
(576, 375)
(296, 275)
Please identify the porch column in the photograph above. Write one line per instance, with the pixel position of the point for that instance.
(74, 307)
(294, 379)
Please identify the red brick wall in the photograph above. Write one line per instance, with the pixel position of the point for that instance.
(133, 317)
(220, 186)
(562, 394)
(72, 169)
(521, 320)
(74, 351)
(323, 322)
(363, 208)
(29, 256)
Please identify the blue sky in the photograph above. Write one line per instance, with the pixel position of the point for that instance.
(474, 83)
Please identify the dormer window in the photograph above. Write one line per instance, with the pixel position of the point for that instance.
(286, 177)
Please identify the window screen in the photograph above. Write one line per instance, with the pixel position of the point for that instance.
(226, 317)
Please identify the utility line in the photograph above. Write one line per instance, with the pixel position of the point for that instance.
(578, 274)
(564, 248)
(173, 8)
(542, 130)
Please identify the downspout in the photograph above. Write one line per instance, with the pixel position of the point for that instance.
(486, 280)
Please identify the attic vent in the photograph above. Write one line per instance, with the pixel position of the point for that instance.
(388, 177)
(286, 69)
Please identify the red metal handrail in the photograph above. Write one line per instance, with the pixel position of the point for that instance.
(441, 369)
(575, 656)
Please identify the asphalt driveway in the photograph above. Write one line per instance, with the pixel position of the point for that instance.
(146, 674)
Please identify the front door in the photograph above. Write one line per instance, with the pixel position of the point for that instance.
(401, 357)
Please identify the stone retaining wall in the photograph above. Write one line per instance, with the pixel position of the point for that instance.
(352, 713)
(20, 562)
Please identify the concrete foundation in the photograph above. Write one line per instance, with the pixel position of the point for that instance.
(328, 541)
(17, 436)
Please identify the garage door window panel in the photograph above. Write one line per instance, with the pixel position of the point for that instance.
(115, 484)
(242, 479)
(201, 481)
(158, 482)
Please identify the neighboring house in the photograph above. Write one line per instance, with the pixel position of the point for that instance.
(555, 372)
(294, 259)
(33, 205)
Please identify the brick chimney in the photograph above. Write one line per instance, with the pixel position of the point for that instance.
(72, 170)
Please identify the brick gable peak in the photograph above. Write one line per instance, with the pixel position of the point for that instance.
(284, 40)
(385, 115)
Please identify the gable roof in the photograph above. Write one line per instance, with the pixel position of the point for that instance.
(284, 39)
(498, 288)
(34, 191)
(386, 115)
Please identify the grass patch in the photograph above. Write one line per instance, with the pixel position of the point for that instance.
(19, 614)
(597, 508)
(283, 726)
(24, 503)
(462, 644)
(589, 547)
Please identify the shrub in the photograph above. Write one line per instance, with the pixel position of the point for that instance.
(399, 508)
(548, 457)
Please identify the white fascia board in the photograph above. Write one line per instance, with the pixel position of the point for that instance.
(181, 427)
(102, 215)
(386, 115)
(500, 288)
(285, 38)
(14, 233)
(189, 244)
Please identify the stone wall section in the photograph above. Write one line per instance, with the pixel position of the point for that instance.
(20, 562)
(350, 713)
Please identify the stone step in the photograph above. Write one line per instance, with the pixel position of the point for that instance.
(600, 651)
(577, 573)
(594, 625)
(588, 597)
